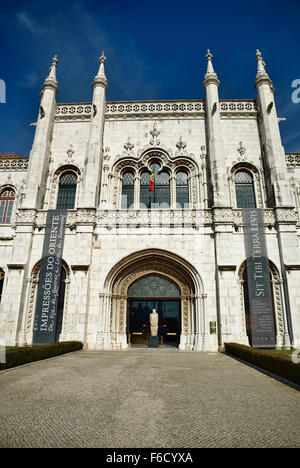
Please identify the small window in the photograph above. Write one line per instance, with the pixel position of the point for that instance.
(244, 187)
(182, 189)
(127, 190)
(67, 191)
(7, 198)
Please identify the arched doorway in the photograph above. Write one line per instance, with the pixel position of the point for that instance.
(114, 327)
(150, 292)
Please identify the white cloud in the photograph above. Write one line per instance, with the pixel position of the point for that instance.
(30, 81)
(29, 23)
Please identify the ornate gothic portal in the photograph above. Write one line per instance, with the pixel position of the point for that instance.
(177, 293)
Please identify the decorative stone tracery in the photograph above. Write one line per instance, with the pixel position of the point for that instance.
(145, 158)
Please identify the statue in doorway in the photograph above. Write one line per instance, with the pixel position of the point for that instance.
(154, 322)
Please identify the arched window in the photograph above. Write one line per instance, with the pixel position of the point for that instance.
(154, 286)
(1, 282)
(244, 188)
(7, 198)
(182, 189)
(127, 190)
(145, 199)
(66, 191)
(161, 191)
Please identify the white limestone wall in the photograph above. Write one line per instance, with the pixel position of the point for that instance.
(245, 130)
(66, 134)
(116, 133)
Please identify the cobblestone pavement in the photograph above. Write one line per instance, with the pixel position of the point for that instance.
(145, 398)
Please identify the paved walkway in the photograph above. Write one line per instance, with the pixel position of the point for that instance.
(146, 398)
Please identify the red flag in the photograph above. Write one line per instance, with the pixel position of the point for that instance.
(151, 181)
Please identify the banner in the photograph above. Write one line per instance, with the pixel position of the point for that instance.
(259, 285)
(49, 280)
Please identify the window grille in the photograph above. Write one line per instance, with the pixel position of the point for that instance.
(67, 191)
(127, 190)
(182, 189)
(161, 192)
(244, 187)
(154, 286)
(7, 198)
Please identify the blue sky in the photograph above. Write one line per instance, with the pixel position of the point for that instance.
(154, 49)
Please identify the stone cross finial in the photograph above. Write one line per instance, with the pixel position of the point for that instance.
(102, 58)
(261, 75)
(51, 78)
(100, 77)
(209, 55)
(210, 76)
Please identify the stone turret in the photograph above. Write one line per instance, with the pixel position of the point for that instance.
(94, 156)
(214, 136)
(40, 153)
(273, 152)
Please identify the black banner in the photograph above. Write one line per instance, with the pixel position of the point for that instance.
(259, 285)
(48, 288)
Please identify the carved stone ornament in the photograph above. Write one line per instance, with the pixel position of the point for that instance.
(154, 132)
(70, 152)
(128, 146)
(181, 145)
(242, 150)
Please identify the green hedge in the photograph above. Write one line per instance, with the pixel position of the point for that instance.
(19, 356)
(270, 360)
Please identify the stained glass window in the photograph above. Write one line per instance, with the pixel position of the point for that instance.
(67, 191)
(7, 198)
(244, 187)
(154, 286)
(182, 189)
(127, 190)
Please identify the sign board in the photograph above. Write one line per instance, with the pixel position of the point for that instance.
(49, 279)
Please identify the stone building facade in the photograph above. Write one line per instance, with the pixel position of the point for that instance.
(185, 255)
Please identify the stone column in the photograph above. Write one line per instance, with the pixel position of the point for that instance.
(214, 137)
(40, 153)
(94, 155)
(273, 151)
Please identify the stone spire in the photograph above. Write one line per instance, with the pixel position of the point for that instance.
(261, 76)
(51, 80)
(210, 76)
(100, 78)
